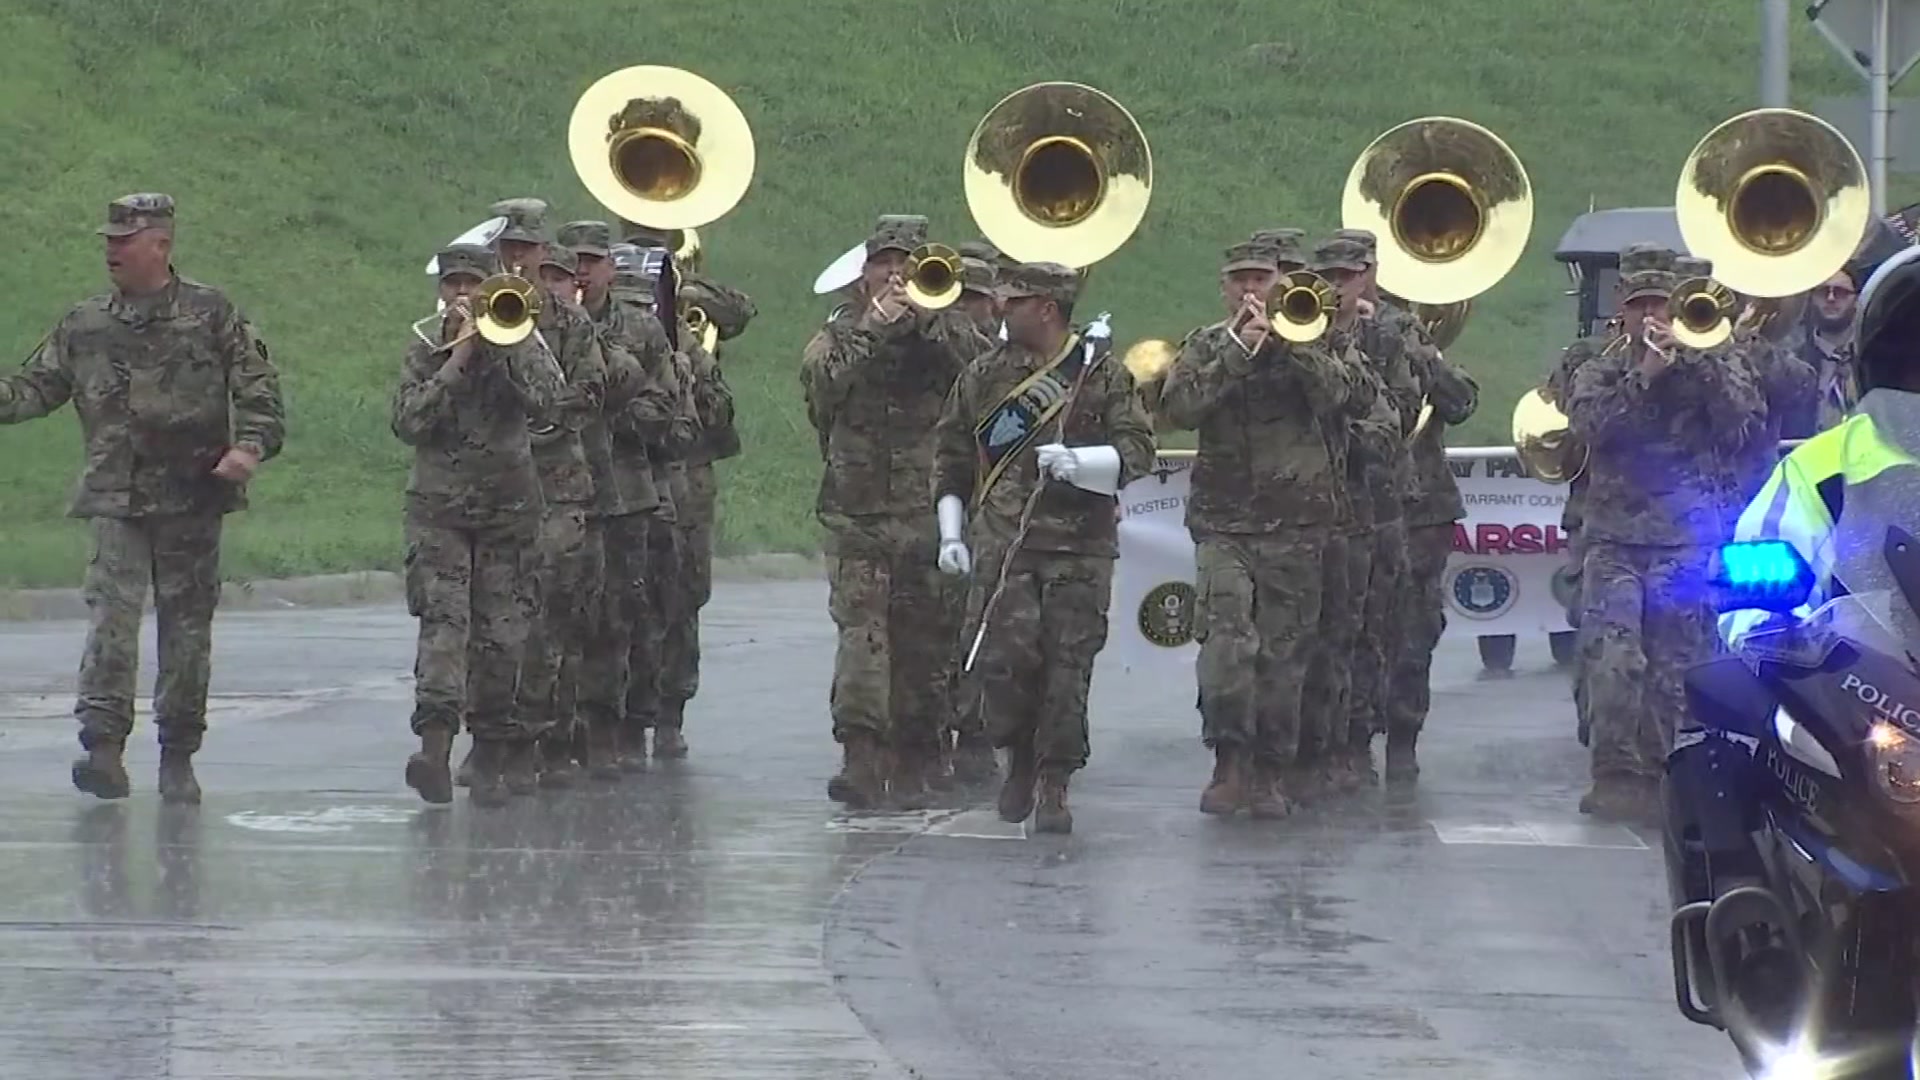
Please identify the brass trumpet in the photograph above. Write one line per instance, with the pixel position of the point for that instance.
(933, 276)
(1701, 312)
(1302, 304)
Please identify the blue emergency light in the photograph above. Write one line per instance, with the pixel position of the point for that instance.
(1764, 575)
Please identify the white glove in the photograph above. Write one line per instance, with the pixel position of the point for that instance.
(1090, 468)
(954, 557)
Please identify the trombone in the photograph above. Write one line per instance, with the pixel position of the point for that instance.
(502, 313)
(1701, 312)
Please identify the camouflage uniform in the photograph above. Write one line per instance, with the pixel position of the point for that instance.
(474, 512)
(163, 385)
(1670, 454)
(641, 401)
(571, 565)
(1267, 494)
(873, 392)
(1035, 663)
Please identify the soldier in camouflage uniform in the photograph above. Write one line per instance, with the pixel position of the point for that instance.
(1049, 403)
(1673, 434)
(875, 378)
(474, 514)
(1267, 494)
(977, 296)
(642, 402)
(729, 311)
(178, 405)
(571, 565)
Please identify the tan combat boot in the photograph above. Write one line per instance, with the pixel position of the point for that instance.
(669, 740)
(1052, 815)
(1267, 793)
(973, 760)
(630, 748)
(463, 776)
(177, 782)
(101, 773)
(1403, 767)
(557, 770)
(489, 787)
(861, 782)
(1226, 793)
(520, 766)
(427, 768)
(1017, 790)
(602, 756)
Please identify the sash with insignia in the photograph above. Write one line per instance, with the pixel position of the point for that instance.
(1015, 423)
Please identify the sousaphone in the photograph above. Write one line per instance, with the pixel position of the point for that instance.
(1058, 172)
(1451, 207)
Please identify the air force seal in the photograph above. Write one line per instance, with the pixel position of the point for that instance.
(1166, 614)
(1483, 591)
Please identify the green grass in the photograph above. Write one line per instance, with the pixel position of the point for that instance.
(320, 152)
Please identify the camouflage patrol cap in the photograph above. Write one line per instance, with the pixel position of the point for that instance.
(561, 257)
(644, 235)
(130, 214)
(1247, 255)
(897, 232)
(1051, 280)
(470, 259)
(976, 276)
(981, 250)
(587, 237)
(1635, 258)
(629, 267)
(1340, 253)
(1287, 246)
(1365, 238)
(1691, 266)
(526, 219)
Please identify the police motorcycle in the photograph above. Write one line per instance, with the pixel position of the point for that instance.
(1792, 799)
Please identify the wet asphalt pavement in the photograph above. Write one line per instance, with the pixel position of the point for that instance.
(718, 918)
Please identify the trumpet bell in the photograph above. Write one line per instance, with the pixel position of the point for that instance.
(1147, 360)
(661, 146)
(504, 309)
(1544, 441)
(1303, 306)
(933, 276)
(1450, 203)
(702, 326)
(1776, 198)
(1058, 172)
(1702, 312)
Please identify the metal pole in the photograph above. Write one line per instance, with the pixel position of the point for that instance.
(1878, 82)
(1773, 54)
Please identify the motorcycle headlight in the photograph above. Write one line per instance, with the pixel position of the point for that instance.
(1895, 756)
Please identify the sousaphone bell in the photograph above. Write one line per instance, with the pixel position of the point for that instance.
(1452, 208)
(662, 147)
(1058, 172)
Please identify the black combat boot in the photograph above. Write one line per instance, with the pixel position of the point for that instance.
(489, 786)
(861, 783)
(1017, 791)
(1267, 792)
(1052, 815)
(521, 766)
(1403, 766)
(177, 782)
(1226, 793)
(101, 773)
(427, 771)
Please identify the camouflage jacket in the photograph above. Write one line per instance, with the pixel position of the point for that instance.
(559, 444)
(1668, 453)
(1434, 495)
(163, 388)
(666, 446)
(872, 396)
(473, 457)
(1106, 412)
(642, 398)
(712, 400)
(1269, 454)
(729, 310)
(1389, 344)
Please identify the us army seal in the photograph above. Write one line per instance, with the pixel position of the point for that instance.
(1166, 614)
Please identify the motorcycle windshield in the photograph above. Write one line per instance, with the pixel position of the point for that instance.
(1875, 547)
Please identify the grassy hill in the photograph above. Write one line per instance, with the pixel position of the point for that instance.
(320, 152)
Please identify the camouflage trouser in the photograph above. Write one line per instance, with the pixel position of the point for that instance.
(965, 718)
(656, 644)
(698, 512)
(1422, 618)
(572, 569)
(1377, 645)
(680, 648)
(889, 601)
(476, 594)
(605, 665)
(1327, 684)
(1258, 601)
(1646, 618)
(1035, 663)
(178, 558)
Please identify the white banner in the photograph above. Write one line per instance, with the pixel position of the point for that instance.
(1507, 574)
